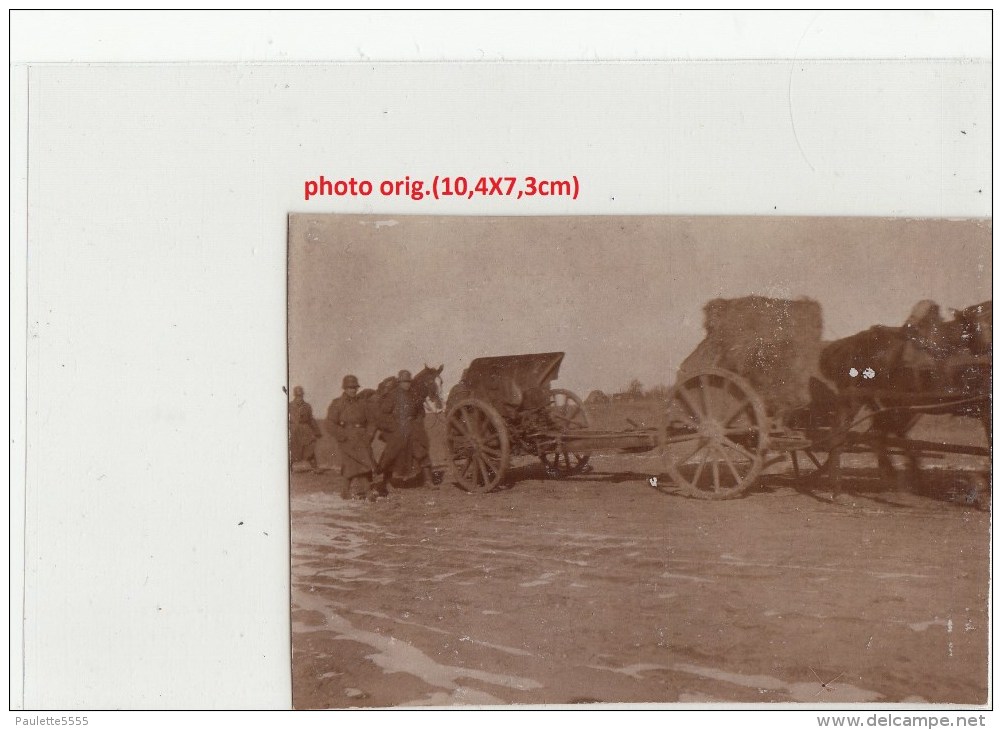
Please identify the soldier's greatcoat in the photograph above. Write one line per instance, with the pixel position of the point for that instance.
(352, 423)
(303, 431)
(402, 424)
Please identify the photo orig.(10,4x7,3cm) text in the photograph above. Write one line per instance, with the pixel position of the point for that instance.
(638, 459)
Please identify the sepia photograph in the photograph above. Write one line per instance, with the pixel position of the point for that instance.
(521, 361)
(639, 459)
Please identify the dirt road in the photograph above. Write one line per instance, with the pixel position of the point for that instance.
(601, 589)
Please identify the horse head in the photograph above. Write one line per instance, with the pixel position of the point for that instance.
(428, 384)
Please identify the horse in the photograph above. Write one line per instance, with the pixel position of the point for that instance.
(889, 376)
(400, 421)
(972, 369)
(426, 386)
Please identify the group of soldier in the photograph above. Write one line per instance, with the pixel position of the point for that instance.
(354, 420)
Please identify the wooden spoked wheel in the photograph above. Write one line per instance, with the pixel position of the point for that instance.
(715, 436)
(478, 443)
(566, 412)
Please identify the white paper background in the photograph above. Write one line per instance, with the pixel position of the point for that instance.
(152, 351)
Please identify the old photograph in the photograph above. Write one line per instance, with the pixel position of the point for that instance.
(570, 460)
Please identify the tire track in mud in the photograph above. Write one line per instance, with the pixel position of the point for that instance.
(561, 594)
(394, 655)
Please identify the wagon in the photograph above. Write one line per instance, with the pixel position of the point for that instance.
(763, 389)
(505, 406)
(734, 409)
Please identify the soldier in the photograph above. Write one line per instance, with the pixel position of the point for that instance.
(924, 325)
(353, 426)
(303, 430)
(402, 421)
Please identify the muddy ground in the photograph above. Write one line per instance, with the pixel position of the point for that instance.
(599, 588)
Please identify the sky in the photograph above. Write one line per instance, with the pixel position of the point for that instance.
(621, 296)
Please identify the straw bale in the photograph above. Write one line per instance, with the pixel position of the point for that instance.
(773, 343)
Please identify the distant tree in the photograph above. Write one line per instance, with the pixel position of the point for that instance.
(635, 390)
(659, 392)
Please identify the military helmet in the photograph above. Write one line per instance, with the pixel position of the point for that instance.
(350, 381)
(298, 390)
(404, 376)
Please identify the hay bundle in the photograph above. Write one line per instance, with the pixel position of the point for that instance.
(772, 343)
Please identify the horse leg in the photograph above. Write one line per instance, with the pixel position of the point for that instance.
(902, 480)
(843, 414)
(884, 464)
(899, 424)
(912, 476)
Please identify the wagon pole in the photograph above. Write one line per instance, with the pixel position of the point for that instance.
(928, 407)
(921, 447)
(847, 437)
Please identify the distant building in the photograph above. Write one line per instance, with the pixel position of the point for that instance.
(596, 396)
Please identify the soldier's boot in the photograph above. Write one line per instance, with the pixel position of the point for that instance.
(427, 479)
(349, 489)
(361, 487)
(380, 485)
(388, 479)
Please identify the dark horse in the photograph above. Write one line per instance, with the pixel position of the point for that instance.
(426, 385)
(400, 414)
(886, 377)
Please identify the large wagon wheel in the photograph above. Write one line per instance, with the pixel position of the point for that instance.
(566, 412)
(479, 449)
(716, 435)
